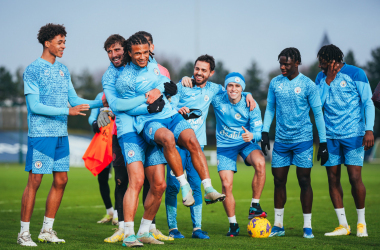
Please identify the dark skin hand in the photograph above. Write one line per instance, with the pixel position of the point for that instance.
(368, 140)
(333, 69)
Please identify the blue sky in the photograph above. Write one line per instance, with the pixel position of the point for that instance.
(235, 32)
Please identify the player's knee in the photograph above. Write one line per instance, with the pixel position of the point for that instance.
(35, 182)
(355, 180)
(193, 144)
(260, 167)
(279, 183)
(304, 181)
(61, 181)
(227, 186)
(168, 140)
(159, 187)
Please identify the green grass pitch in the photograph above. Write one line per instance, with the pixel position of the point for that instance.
(82, 207)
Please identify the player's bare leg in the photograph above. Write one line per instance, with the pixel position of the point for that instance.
(306, 196)
(336, 195)
(29, 196)
(227, 178)
(358, 191)
(131, 197)
(156, 178)
(188, 140)
(56, 193)
(257, 160)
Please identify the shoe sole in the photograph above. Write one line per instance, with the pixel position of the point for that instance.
(188, 205)
(308, 236)
(262, 215)
(332, 235)
(45, 241)
(125, 245)
(208, 202)
(279, 234)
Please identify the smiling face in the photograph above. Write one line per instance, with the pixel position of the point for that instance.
(202, 72)
(140, 54)
(288, 67)
(56, 46)
(234, 92)
(115, 54)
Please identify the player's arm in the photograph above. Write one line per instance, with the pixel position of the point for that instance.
(95, 112)
(118, 104)
(323, 87)
(268, 118)
(365, 93)
(255, 123)
(75, 100)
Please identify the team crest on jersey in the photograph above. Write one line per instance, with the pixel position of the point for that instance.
(207, 98)
(237, 116)
(237, 79)
(131, 153)
(156, 71)
(297, 90)
(343, 84)
(150, 131)
(38, 164)
(46, 72)
(61, 73)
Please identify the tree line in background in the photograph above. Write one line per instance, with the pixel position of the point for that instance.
(88, 86)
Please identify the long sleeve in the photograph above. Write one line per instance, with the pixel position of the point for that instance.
(140, 110)
(365, 93)
(320, 123)
(256, 123)
(270, 110)
(95, 112)
(41, 109)
(74, 100)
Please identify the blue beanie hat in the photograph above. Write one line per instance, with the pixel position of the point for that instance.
(235, 77)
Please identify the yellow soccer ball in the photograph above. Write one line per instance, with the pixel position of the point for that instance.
(259, 227)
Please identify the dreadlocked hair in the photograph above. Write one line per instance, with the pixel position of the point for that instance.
(330, 53)
(292, 53)
(135, 39)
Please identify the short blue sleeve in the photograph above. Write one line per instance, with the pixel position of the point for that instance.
(30, 77)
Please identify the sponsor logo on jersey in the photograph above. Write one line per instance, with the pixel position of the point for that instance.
(237, 116)
(156, 71)
(61, 73)
(237, 79)
(207, 98)
(297, 90)
(258, 123)
(343, 84)
(150, 131)
(131, 153)
(38, 164)
(280, 86)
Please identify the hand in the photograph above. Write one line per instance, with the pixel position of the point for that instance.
(333, 69)
(192, 114)
(368, 140)
(184, 110)
(170, 88)
(247, 136)
(187, 82)
(323, 153)
(250, 102)
(78, 109)
(95, 127)
(265, 142)
(156, 106)
(104, 101)
(103, 119)
(152, 95)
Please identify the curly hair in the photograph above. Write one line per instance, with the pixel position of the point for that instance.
(330, 53)
(133, 40)
(49, 31)
(147, 35)
(208, 59)
(113, 39)
(292, 53)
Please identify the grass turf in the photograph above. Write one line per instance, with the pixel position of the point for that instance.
(82, 206)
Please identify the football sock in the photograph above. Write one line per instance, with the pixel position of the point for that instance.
(341, 217)
(254, 201)
(279, 217)
(307, 220)
(115, 214)
(121, 225)
(48, 224)
(24, 226)
(129, 228)
(196, 228)
(144, 226)
(206, 183)
(152, 226)
(110, 211)
(361, 216)
(232, 219)
(182, 180)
